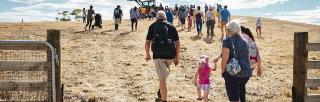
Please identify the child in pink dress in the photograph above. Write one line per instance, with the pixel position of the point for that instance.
(202, 77)
(189, 23)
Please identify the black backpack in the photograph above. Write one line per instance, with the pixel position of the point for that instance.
(117, 13)
(162, 44)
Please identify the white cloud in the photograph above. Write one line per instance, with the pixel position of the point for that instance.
(243, 4)
(30, 16)
(303, 16)
(48, 11)
(268, 14)
(42, 11)
(27, 1)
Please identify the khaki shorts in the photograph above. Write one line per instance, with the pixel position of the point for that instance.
(162, 67)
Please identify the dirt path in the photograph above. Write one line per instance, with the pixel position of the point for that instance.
(110, 65)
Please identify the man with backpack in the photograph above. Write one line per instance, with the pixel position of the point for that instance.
(117, 15)
(163, 39)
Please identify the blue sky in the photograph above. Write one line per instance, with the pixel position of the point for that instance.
(306, 11)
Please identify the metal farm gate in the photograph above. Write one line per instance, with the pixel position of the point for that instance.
(27, 71)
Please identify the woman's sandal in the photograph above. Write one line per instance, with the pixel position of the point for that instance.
(199, 99)
(158, 100)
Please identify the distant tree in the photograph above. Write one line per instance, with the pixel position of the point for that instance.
(77, 14)
(66, 16)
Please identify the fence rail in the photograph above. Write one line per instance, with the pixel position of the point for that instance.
(313, 83)
(312, 98)
(313, 46)
(300, 68)
(30, 70)
(23, 66)
(313, 64)
(24, 86)
(8, 45)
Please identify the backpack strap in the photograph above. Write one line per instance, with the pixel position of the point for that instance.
(157, 26)
(234, 50)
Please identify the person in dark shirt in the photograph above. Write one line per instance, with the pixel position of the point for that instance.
(164, 34)
(117, 15)
(89, 17)
(234, 46)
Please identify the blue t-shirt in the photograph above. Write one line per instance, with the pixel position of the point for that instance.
(134, 14)
(169, 15)
(225, 14)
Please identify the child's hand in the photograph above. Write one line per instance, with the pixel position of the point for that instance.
(215, 66)
(215, 60)
(214, 69)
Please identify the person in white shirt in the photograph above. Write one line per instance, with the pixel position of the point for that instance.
(84, 15)
(210, 21)
(258, 27)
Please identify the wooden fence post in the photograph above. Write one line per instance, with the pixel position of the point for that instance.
(299, 71)
(53, 37)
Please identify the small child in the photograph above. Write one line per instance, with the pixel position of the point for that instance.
(189, 23)
(203, 73)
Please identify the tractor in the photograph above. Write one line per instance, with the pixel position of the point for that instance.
(146, 3)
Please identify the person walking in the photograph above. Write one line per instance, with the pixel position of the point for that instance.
(189, 23)
(163, 38)
(191, 13)
(219, 7)
(182, 16)
(258, 27)
(235, 65)
(134, 15)
(225, 18)
(199, 20)
(117, 15)
(169, 15)
(89, 17)
(254, 55)
(206, 8)
(202, 78)
(210, 22)
(84, 15)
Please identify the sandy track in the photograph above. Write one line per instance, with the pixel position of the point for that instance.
(111, 66)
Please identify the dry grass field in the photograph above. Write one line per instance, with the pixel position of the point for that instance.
(110, 64)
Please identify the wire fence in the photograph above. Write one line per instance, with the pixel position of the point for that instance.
(27, 71)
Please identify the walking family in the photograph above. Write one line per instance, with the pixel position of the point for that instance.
(239, 55)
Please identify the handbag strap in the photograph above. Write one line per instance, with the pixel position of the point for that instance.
(234, 53)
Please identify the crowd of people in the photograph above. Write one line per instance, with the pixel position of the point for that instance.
(239, 53)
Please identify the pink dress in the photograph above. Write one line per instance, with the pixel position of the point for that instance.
(204, 75)
(189, 22)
